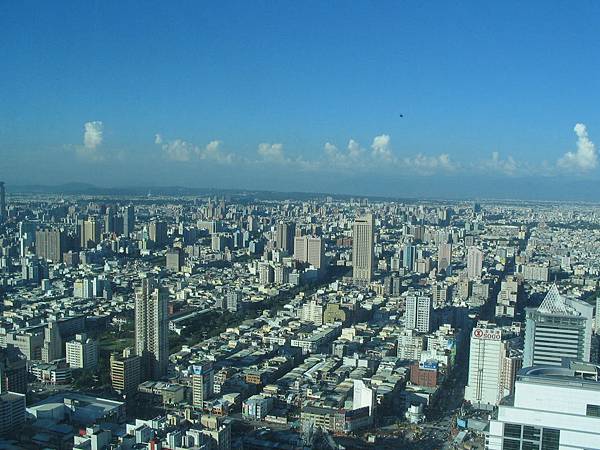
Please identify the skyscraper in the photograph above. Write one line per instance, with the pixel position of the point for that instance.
(444, 256)
(552, 408)
(109, 220)
(492, 367)
(128, 220)
(285, 233)
(89, 233)
(3, 213)
(362, 249)
(53, 344)
(158, 233)
(152, 328)
(474, 262)
(559, 328)
(309, 249)
(409, 255)
(50, 244)
(418, 313)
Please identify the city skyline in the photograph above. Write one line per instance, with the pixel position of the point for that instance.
(416, 99)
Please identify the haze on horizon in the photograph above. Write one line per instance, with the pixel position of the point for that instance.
(384, 98)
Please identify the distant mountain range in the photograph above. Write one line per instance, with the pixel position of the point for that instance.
(506, 189)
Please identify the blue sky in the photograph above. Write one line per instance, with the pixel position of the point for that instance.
(298, 95)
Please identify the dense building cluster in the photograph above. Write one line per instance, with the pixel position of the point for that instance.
(239, 321)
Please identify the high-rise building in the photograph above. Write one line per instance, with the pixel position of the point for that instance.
(3, 213)
(474, 262)
(158, 233)
(125, 372)
(202, 383)
(50, 244)
(13, 371)
(444, 256)
(312, 312)
(53, 343)
(82, 352)
(12, 412)
(492, 366)
(410, 345)
(409, 256)
(558, 328)
(418, 313)
(506, 304)
(284, 237)
(110, 220)
(309, 249)
(128, 220)
(175, 259)
(552, 408)
(89, 233)
(152, 328)
(363, 249)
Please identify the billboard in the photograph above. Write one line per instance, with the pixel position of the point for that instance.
(494, 334)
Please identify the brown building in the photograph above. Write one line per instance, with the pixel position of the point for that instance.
(424, 374)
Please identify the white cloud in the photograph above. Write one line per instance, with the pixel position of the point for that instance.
(497, 164)
(585, 158)
(92, 140)
(92, 134)
(271, 152)
(381, 147)
(178, 150)
(213, 152)
(427, 165)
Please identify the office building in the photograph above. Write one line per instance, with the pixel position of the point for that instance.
(444, 256)
(202, 383)
(53, 343)
(508, 297)
(559, 328)
(409, 256)
(418, 313)
(492, 366)
(12, 412)
(128, 213)
(50, 244)
(474, 262)
(175, 259)
(234, 301)
(158, 233)
(82, 352)
(363, 249)
(284, 236)
(553, 408)
(110, 221)
(310, 249)
(89, 233)
(312, 312)
(152, 328)
(13, 371)
(125, 372)
(410, 345)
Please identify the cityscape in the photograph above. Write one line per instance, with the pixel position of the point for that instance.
(258, 225)
(226, 321)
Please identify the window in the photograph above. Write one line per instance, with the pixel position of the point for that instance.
(550, 439)
(512, 431)
(593, 410)
(530, 446)
(511, 444)
(531, 433)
